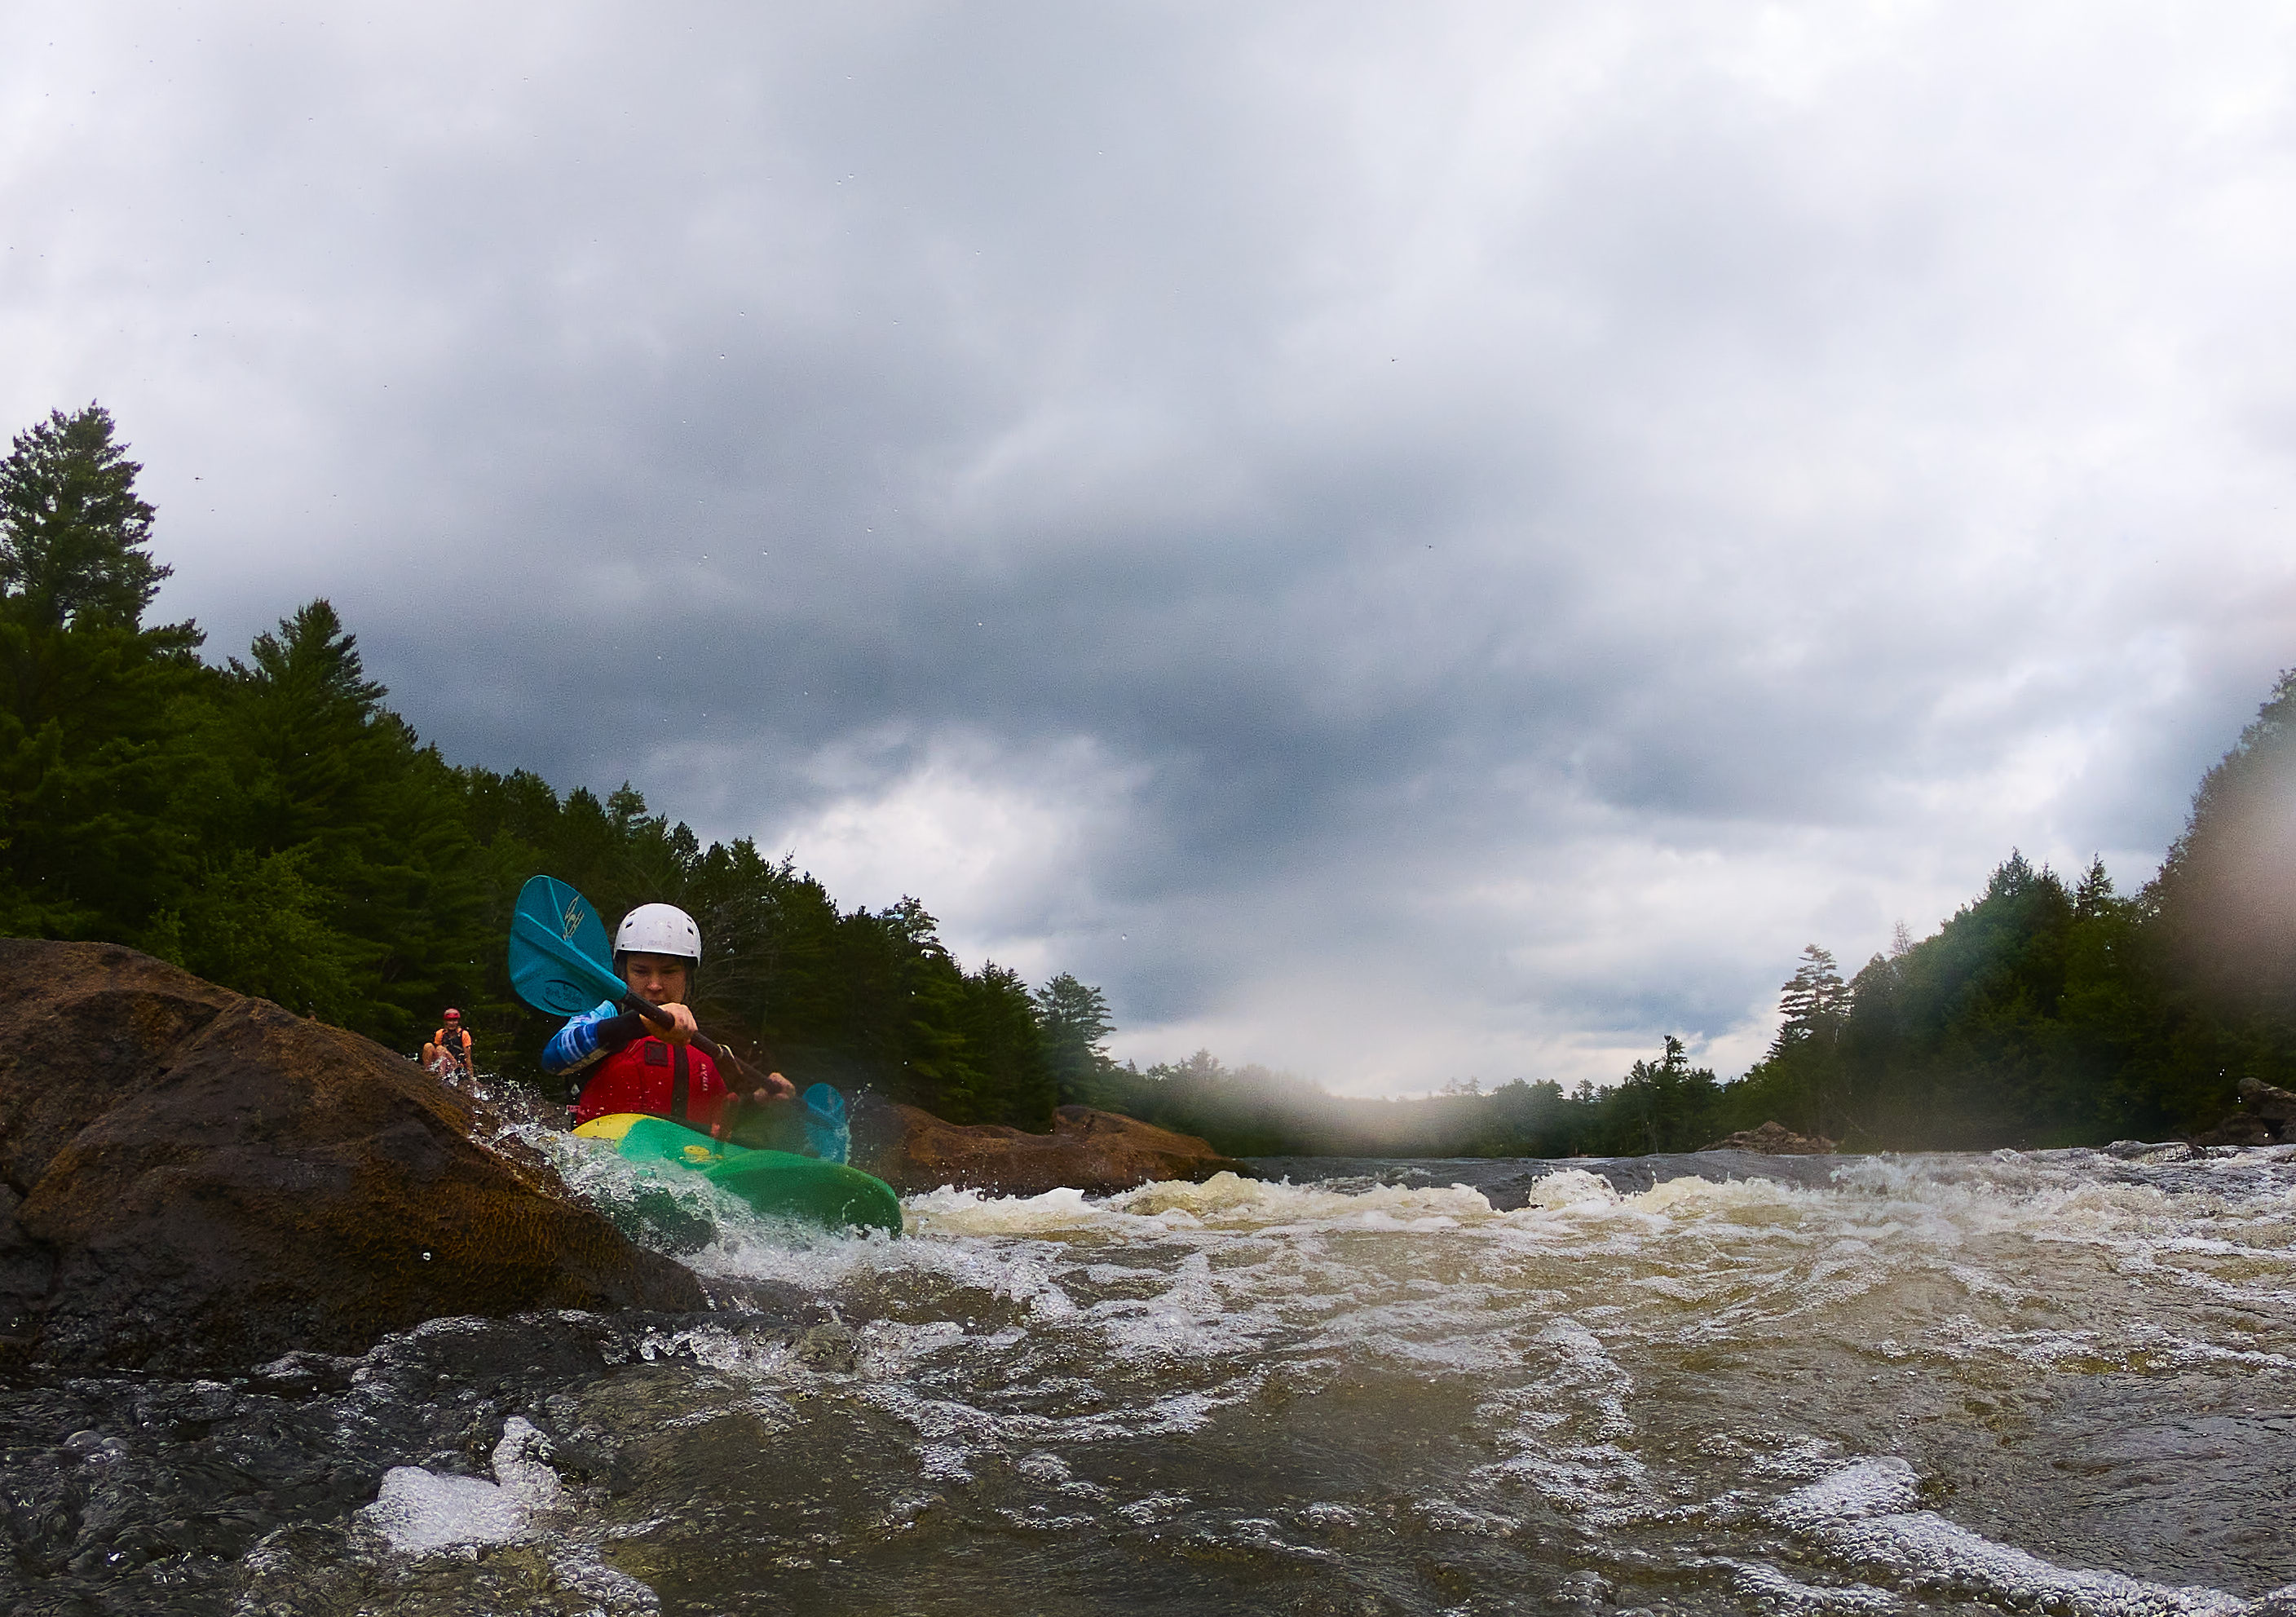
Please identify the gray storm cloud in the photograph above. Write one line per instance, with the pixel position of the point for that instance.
(1403, 543)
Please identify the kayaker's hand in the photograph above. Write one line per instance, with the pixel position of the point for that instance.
(680, 1021)
(775, 1089)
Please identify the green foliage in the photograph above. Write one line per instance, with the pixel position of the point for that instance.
(2222, 912)
(1007, 1046)
(1802, 1082)
(257, 923)
(94, 707)
(1667, 1104)
(72, 529)
(1074, 1020)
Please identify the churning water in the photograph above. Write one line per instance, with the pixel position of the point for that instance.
(2063, 1382)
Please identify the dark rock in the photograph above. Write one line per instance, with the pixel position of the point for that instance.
(830, 1346)
(2274, 1105)
(1099, 1152)
(207, 1180)
(28, 1271)
(2266, 1117)
(2151, 1150)
(2239, 1129)
(1774, 1139)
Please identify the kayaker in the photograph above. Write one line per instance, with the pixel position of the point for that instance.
(448, 1053)
(633, 1063)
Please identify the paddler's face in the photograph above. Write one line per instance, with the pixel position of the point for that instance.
(657, 979)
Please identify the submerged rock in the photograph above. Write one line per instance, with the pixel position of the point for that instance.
(193, 1179)
(1096, 1151)
(2266, 1117)
(1774, 1139)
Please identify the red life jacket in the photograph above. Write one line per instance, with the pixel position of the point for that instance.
(658, 1078)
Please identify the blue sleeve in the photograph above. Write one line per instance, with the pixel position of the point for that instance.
(575, 1045)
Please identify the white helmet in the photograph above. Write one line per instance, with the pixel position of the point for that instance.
(658, 928)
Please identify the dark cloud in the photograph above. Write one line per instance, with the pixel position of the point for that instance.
(1402, 543)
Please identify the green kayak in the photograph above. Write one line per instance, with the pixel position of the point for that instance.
(779, 1183)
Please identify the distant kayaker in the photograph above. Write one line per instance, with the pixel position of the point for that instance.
(448, 1053)
(634, 1064)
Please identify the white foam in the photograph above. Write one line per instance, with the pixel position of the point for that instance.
(1568, 1424)
(422, 1511)
(1870, 1487)
(1778, 1592)
(1227, 1201)
(1861, 1514)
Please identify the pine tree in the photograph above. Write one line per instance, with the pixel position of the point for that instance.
(1813, 1000)
(1803, 1081)
(73, 528)
(93, 719)
(1074, 1016)
(1008, 1045)
(314, 729)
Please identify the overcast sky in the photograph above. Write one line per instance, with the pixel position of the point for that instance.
(1403, 542)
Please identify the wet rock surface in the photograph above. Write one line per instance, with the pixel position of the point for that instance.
(193, 1180)
(85, 1026)
(1099, 1152)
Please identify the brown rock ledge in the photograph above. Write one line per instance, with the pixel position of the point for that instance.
(1099, 1152)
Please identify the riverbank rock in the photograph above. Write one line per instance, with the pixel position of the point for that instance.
(1774, 1139)
(193, 1179)
(1099, 1152)
(2267, 1116)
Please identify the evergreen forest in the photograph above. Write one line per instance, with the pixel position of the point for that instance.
(268, 822)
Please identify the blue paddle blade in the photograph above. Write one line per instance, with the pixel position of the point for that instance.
(558, 951)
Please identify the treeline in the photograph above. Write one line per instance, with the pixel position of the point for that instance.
(2045, 1013)
(1661, 1104)
(269, 824)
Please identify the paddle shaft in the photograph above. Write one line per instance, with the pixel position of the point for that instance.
(716, 1052)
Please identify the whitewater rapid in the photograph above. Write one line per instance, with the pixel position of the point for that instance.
(2058, 1381)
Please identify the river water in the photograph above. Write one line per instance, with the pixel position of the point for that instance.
(2062, 1381)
